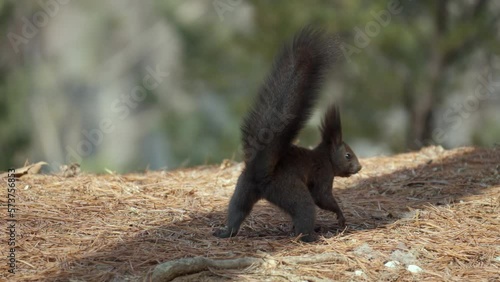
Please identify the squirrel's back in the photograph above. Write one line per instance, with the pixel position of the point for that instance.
(286, 99)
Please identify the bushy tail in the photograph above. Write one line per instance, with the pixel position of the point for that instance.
(286, 99)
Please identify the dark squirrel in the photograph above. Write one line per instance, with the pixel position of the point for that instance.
(291, 177)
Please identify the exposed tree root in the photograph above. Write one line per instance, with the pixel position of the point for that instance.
(172, 269)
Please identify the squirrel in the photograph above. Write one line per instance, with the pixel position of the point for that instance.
(293, 178)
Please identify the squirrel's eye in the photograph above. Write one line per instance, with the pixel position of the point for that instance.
(348, 156)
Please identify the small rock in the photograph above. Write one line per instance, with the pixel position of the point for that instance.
(414, 269)
(405, 258)
(71, 170)
(358, 272)
(392, 264)
(497, 259)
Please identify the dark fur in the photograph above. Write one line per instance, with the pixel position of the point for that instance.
(293, 178)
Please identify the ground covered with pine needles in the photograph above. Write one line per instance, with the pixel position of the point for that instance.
(437, 210)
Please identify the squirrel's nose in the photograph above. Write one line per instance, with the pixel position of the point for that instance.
(358, 168)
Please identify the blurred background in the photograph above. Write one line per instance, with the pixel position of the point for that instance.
(135, 85)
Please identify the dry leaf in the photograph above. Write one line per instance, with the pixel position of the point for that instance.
(27, 169)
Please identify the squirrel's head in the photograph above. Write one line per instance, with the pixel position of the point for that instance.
(344, 161)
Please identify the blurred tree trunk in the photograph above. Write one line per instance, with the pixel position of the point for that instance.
(421, 98)
(421, 102)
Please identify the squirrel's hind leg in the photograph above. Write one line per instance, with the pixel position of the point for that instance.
(240, 205)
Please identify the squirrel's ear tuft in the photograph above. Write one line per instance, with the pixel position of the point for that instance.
(331, 127)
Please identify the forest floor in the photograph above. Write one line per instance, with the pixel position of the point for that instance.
(431, 215)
